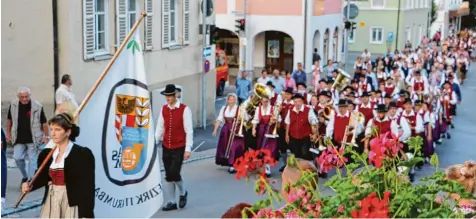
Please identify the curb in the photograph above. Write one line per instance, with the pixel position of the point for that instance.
(38, 203)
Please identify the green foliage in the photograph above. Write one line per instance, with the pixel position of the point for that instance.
(406, 201)
(434, 9)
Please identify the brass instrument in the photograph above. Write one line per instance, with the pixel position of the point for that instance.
(232, 134)
(356, 118)
(260, 91)
(242, 120)
(274, 134)
(326, 112)
(341, 81)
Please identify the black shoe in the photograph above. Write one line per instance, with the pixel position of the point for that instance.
(282, 168)
(411, 176)
(183, 200)
(169, 207)
(448, 136)
(452, 126)
(323, 175)
(231, 170)
(268, 175)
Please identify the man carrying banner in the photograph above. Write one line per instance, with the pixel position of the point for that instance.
(175, 130)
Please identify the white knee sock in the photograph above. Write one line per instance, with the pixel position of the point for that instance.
(170, 191)
(181, 187)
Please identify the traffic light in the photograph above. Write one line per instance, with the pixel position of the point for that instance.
(347, 25)
(239, 25)
(213, 34)
(352, 28)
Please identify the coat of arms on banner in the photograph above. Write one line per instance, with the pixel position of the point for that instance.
(132, 131)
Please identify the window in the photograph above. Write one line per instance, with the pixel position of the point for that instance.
(352, 36)
(378, 3)
(131, 13)
(95, 28)
(376, 35)
(173, 21)
(173, 33)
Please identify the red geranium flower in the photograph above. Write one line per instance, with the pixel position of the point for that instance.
(372, 207)
(253, 161)
(384, 146)
(331, 158)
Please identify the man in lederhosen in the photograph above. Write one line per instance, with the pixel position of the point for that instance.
(286, 106)
(301, 127)
(175, 130)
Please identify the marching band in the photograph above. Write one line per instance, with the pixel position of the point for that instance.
(398, 99)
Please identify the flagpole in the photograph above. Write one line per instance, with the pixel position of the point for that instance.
(86, 100)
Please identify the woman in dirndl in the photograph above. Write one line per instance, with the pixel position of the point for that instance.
(68, 176)
(264, 122)
(229, 116)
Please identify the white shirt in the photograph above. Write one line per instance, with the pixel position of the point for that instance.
(419, 121)
(262, 80)
(60, 163)
(311, 117)
(330, 125)
(279, 98)
(413, 81)
(370, 124)
(187, 124)
(366, 55)
(403, 127)
(227, 111)
(454, 98)
(264, 112)
(63, 94)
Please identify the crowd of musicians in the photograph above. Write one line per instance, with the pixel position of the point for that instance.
(409, 93)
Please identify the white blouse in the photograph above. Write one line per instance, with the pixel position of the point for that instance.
(263, 113)
(227, 111)
(60, 164)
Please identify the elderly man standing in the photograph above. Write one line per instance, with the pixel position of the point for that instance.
(26, 130)
(278, 82)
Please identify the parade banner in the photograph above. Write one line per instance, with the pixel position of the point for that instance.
(117, 125)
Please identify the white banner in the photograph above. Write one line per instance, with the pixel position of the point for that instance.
(117, 125)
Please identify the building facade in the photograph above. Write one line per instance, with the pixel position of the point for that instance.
(389, 24)
(89, 32)
(449, 14)
(280, 33)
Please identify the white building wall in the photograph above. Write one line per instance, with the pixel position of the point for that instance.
(321, 23)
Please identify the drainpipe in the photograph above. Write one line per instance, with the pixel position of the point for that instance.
(55, 48)
(305, 35)
(398, 25)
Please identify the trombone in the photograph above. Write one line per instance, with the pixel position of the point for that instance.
(233, 129)
(356, 118)
(274, 134)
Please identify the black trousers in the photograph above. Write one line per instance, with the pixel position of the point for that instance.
(240, 100)
(282, 145)
(300, 148)
(173, 160)
(250, 141)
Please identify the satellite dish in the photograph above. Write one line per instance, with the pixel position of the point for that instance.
(210, 7)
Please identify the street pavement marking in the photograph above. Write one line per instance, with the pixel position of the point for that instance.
(198, 146)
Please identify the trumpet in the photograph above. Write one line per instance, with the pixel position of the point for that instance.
(232, 134)
(277, 110)
(242, 120)
(356, 118)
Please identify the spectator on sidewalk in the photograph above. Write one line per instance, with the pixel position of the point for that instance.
(65, 101)
(366, 54)
(4, 168)
(299, 74)
(316, 56)
(277, 81)
(243, 86)
(26, 130)
(264, 77)
(289, 81)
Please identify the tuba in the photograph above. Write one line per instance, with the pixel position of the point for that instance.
(260, 91)
(326, 113)
(341, 81)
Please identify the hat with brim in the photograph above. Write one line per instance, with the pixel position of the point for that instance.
(365, 94)
(302, 84)
(402, 93)
(289, 90)
(381, 108)
(417, 72)
(170, 90)
(350, 102)
(322, 81)
(418, 102)
(325, 93)
(407, 100)
(342, 102)
(392, 105)
(298, 96)
(388, 96)
(269, 83)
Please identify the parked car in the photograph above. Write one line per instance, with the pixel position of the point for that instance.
(222, 71)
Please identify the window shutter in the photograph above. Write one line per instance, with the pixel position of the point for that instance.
(165, 23)
(88, 29)
(148, 24)
(186, 22)
(121, 21)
